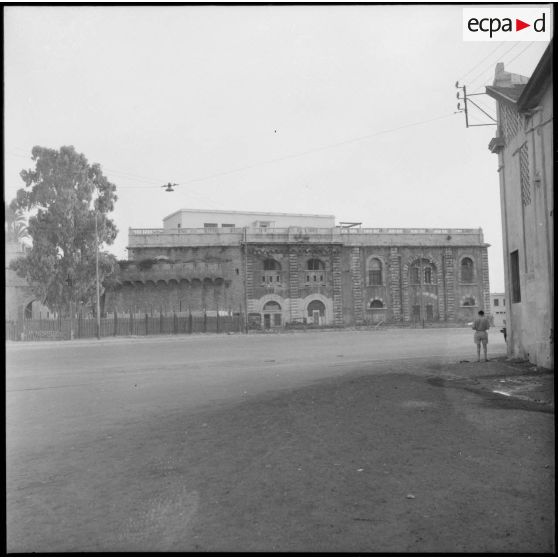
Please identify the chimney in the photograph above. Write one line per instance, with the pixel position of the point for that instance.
(507, 79)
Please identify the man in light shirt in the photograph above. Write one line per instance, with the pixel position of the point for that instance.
(481, 326)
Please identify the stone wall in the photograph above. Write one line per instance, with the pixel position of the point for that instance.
(285, 283)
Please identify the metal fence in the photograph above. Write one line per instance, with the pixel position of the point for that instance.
(81, 327)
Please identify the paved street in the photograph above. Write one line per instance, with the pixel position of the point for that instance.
(322, 441)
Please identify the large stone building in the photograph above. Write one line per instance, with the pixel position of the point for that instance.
(524, 144)
(291, 269)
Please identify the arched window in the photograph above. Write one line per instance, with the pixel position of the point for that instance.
(272, 271)
(271, 265)
(315, 271)
(315, 265)
(376, 304)
(422, 270)
(469, 301)
(316, 306)
(272, 314)
(467, 270)
(375, 272)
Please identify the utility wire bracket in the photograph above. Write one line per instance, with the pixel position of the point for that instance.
(466, 99)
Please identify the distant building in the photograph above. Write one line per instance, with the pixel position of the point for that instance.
(283, 269)
(20, 301)
(498, 302)
(524, 144)
(199, 218)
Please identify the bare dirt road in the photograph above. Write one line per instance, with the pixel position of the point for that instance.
(330, 441)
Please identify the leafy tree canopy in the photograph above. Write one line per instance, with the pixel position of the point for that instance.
(63, 194)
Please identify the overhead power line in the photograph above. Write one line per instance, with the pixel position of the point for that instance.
(314, 150)
(485, 58)
(157, 183)
(524, 50)
(489, 67)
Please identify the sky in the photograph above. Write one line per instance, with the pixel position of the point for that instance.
(343, 110)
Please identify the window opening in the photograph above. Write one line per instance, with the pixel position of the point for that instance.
(314, 264)
(428, 275)
(375, 272)
(467, 270)
(515, 282)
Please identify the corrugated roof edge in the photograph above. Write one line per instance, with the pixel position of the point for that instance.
(541, 74)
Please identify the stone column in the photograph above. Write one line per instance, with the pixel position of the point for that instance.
(449, 281)
(249, 274)
(485, 280)
(356, 280)
(336, 277)
(405, 293)
(395, 283)
(441, 288)
(294, 291)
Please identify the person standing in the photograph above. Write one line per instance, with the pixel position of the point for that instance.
(481, 326)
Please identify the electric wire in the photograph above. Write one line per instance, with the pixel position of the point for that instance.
(489, 67)
(157, 183)
(314, 150)
(523, 51)
(485, 58)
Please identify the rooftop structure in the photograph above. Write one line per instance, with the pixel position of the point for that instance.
(212, 219)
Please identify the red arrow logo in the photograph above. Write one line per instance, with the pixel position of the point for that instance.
(519, 25)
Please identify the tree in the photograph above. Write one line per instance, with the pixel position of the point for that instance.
(63, 194)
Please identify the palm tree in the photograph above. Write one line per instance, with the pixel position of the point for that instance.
(15, 224)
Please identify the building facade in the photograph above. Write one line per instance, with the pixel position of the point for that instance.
(304, 274)
(498, 302)
(20, 302)
(524, 145)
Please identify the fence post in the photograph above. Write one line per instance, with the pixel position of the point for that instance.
(79, 324)
(190, 321)
(174, 323)
(131, 323)
(115, 322)
(204, 321)
(71, 321)
(160, 320)
(218, 328)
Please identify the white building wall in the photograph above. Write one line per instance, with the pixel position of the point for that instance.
(528, 228)
(498, 306)
(198, 218)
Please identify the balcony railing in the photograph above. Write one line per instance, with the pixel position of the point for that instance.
(336, 235)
